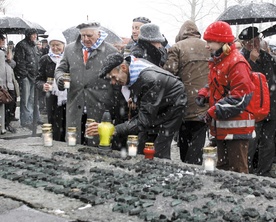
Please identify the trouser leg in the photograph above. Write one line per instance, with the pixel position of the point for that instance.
(266, 147)
(192, 136)
(233, 155)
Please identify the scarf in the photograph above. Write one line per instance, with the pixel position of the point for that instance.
(62, 95)
(99, 41)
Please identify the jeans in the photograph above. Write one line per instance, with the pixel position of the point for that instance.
(27, 88)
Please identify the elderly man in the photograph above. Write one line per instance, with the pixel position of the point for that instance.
(88, 95)
(261, 61)
(160, 100)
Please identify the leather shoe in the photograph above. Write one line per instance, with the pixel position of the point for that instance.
(14, 119)
(10, 129)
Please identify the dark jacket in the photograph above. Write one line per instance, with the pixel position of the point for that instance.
(146, 50)
(188, 59)
(266, 65)
(46, 69)
(159, 94)
(26, 57)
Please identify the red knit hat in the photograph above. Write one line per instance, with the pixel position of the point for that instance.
(219, 32)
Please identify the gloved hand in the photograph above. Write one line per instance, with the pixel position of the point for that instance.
(200, 100)
(206, 118)
(60, 83)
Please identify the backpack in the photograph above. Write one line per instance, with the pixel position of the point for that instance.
(261, 98)
(260, 101)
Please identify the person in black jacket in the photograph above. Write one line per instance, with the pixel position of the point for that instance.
(26, 57)
(261, 61)
(159, 96)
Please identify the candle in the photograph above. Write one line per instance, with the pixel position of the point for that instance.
(50, 87)
(48, 140)
(132, 150)
(209, 164)
(66, 84)
(72, 141)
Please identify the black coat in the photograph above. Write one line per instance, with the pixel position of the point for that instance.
(26, 57)
(159, 94)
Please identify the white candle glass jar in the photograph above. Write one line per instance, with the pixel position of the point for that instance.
(132, 142)
(50, 82)
(88, 121)
(72, 136)
(66, 80)
(47, 137)
(209, 158)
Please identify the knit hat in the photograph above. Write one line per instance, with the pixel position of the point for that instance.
(219, 32)
(111, 61)
(88, 25)
(151, 33)
(142, 20)
(249, 33)
(56, 35)
(10, 43)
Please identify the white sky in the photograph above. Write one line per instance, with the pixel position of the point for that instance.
(116, 15)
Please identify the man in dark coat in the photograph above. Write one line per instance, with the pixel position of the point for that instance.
(261, 61)
(27, 57)
(88, 95)
(159, 96)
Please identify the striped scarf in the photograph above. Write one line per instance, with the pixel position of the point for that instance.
(135, 68)
(99, 41)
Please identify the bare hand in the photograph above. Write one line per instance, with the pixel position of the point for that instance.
(92, 129)
(46, 87)
(254, 55)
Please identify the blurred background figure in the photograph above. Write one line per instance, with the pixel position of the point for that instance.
(238, 44)
(188, 59)
(45, 46)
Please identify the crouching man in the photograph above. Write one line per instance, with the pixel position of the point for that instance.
(159, 97)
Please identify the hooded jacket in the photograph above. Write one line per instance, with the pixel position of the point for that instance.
(26, 57)
(230, 91)
(188, 59)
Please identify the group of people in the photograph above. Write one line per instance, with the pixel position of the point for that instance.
(191, 89)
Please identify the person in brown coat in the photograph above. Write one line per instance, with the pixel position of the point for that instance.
(188, 59)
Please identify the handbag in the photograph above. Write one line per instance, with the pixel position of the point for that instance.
(5, 97)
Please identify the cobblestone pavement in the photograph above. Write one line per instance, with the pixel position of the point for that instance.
(87, 184)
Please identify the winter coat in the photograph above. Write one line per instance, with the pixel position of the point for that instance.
(46, 69)
(266, 65)
(158, 94)
(188, 59)
(26, 57)
(146, 50)
(2, 69)
(86, 88)
(230, 91)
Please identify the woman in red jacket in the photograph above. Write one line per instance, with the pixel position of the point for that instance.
(229, 91)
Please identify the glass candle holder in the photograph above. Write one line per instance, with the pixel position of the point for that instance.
(209, 158)
(50, 82)
(71, 136)
(132, 141)
(88, 121)
(66, 80)
(149, 150)
(47, 137)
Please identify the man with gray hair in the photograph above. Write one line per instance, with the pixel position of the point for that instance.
(88, 95)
